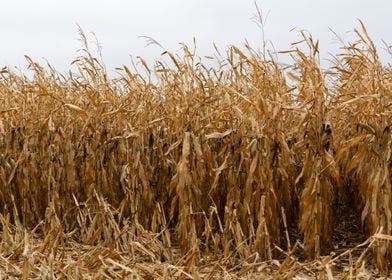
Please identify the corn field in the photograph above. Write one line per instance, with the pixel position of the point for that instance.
(193, 172)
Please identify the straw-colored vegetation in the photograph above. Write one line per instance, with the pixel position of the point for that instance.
(240, 170)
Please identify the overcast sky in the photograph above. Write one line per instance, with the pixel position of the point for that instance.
(47, 29)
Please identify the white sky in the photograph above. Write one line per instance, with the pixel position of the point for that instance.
(46, 29)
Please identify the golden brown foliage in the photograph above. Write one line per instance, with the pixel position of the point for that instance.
(223, 163)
